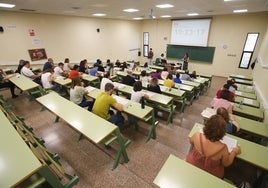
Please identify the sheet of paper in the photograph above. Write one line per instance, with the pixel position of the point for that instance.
(121, 100)
(89, 88)
(248, 101)
(207, 113)
(238, 92)
(150, 94)
(230, 142)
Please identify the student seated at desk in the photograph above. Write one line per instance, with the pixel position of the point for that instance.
(177, 79)
(78, 92)
(143, 77)
(47, 81)
(193, 75)
(128, 79)
(58, 70)
(74, 72)
(164, 73)
(83, 66)
(156, 74)
(105, 80)
(186, 76)
(222, 102)
(26, 71)
(231, 125)
(137, 92)
(94, 70)
(153, 86)
(4, 83)
(208, 153)
(103, 103)
(225, 93)
(169, 81)
(232, 86)
(67, 66)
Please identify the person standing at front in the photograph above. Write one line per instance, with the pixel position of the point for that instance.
(150, 56)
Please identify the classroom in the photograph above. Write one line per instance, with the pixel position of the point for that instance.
(152, 152)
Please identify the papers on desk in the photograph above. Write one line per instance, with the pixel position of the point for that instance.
(164, 88)
(230, 143)
(119, 86)
(89, 88)
(238, 92)
(208, 112)
(121, 100)
(59, 77)
(150, 94)
(248, 101)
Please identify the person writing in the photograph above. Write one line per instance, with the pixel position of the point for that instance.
(185, 59)
(103, 103)
(231, 125)
(208, 153)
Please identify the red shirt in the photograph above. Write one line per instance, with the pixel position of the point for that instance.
(231, 95)
(73, 73)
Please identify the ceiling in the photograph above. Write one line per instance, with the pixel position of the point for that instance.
(114, 8)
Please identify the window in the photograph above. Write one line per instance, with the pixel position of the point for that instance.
(248, 50)
(145, 44)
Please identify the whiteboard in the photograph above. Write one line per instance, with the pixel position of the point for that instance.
(190, 32)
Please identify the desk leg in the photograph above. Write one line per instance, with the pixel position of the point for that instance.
(121, 149)
(170, 117)
(152, 132)
(46, 173)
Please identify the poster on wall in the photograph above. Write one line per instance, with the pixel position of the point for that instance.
(37, 54)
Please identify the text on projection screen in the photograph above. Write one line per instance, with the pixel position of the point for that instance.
(190, 32)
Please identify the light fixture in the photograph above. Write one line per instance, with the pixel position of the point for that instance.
(99, 14)
(165, 6)
(165, 16)
(240, 11)
(192, 14)
(138, 18)
(5, 5)
(130, 10)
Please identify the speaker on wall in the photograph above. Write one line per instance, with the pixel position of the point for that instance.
(1, 29)
(98, 30)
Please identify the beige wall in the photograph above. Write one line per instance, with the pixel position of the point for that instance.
(230, 30)
(260, 75)
(65, 36)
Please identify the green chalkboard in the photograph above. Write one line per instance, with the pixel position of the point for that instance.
(196, 53)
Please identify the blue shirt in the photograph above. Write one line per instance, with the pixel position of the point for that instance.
(186, 77)
(177, 80)
(93, 71)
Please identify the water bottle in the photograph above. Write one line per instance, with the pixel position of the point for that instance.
(240, 104)
(179, 86)
(142, 103)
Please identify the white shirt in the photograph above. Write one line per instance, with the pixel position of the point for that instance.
(45, 80)
(66, 67)
(27, 72)
(58, 71)
(136, 96)
(104, 81)
(164, 74)
(77, 94)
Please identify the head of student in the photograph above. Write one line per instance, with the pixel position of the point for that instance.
(223, 113)
(66, 60)
(109, 87)
(170, 76)
(137, 86)
(143, 73)
(186, 71)
(76, 81)
(165, 69)
(27, 64)
(214, 128)
(60, 65)
(75, 67)
(154, 82)
(107, 75)
(178, 75)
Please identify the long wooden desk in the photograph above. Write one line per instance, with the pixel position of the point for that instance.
(196, 85)
(23, 82)
(132, 108)
(245, 88)
(246, 94)
(242, 81)
(177, 173)
(246, 101)
(17, 161)
(252, 153)
(237, 76)
(160, 101)
(90, 125)
(249, 112)
(253, 127)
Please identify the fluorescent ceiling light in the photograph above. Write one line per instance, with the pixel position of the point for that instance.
(165, 16)
(193, 14)
(99, 14)
(131, 10)
(138, 18)
(7, 5)
(165, 6)
(240, 11)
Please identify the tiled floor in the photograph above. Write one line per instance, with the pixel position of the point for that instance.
(93, 163)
